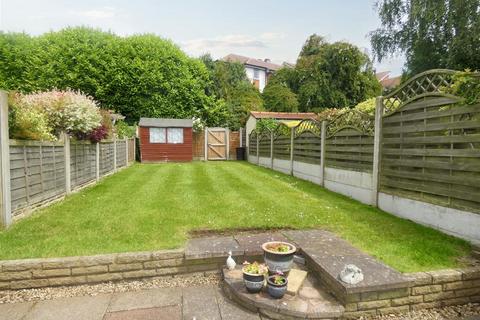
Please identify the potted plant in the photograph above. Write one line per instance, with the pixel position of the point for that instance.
(254, 276)
(278, 256)
(277, 285)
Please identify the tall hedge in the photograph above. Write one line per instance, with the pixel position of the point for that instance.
(138, 76)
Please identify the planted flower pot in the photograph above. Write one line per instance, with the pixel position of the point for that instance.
(254, 276)
(278, 256)
(277, 286)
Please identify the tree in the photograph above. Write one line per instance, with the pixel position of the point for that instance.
(333, 75)
(432, 34)
(279, 98)
(138, 76)
(229, 83)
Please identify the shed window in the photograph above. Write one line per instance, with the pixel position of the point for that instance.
(175, 135)
(158, 135)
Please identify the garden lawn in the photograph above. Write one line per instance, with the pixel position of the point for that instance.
(154, 206)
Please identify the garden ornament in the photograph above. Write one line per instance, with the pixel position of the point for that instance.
(230, 262)
(351, 274)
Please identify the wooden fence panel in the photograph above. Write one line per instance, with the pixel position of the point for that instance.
(264, 143)
(431, 152)
(252, 144)
(37, 173)
(281, 147)
(307, 147)
(106, 157)
(121, 153)
(349, 149)
(82, 163)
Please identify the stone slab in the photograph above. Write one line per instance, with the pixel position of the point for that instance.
(76, 308)
(252, 243)
(200, 303)
(14, 311)
(329, 254)
(314, 303)
(163, 313)
(295, 280)
(145, 299)
(208, 247)
(231, 311)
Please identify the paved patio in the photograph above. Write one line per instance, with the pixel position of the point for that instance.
(207, 302)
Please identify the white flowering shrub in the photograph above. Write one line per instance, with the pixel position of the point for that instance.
(68, 111)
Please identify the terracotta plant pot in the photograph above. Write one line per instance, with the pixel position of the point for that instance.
(253, 282)
(278, 261)
(276, 291)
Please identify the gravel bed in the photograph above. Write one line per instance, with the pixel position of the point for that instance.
(179, 281)
(464, 312)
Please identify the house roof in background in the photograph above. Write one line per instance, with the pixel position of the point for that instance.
(382, 75)
(283, 115)
(163, 122)
(387, 82)
(252, 62)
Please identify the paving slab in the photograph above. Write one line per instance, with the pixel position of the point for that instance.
(76, 308)
(14, 311)
(212, 247)
(163, 313)
(328, 254)
(144, 299)
(200, 303)
(231, 311)
(252, 243)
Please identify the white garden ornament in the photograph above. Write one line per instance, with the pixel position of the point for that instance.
(351, 274)
(230, 262)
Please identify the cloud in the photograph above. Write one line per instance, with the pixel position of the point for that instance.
(96, 14)
(228, 41)
(272, 36)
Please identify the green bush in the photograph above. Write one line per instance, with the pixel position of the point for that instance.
(137, 76)
(277, 97)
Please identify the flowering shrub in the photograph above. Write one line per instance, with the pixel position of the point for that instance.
(52, 112)
(26, 121)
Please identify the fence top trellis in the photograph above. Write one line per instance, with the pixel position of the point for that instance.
(308, 125)
(429, 83)
(352, 119)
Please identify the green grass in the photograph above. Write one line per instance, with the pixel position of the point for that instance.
(148, 207)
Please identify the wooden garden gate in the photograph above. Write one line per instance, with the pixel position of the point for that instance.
(216, 143)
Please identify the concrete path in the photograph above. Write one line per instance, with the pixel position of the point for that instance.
(197, 303)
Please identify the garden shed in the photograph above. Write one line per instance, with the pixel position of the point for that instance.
(165, 139)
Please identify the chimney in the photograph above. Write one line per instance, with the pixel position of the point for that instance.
(267, 60)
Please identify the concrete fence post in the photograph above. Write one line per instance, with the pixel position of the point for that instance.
(258, 155)
(67, 160)
(114, 152)
(134, 149)
(5, 196)
(292, 136)
(126, 152)
(323, 136)
(271, 149)
(377, 146)
(97, 160)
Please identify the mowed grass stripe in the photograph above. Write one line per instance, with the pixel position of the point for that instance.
(154, 206)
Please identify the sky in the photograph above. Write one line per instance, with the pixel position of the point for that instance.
(274, 29)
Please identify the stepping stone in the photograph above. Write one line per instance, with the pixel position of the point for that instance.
(295, 281)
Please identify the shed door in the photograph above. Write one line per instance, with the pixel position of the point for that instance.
(216, 143)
